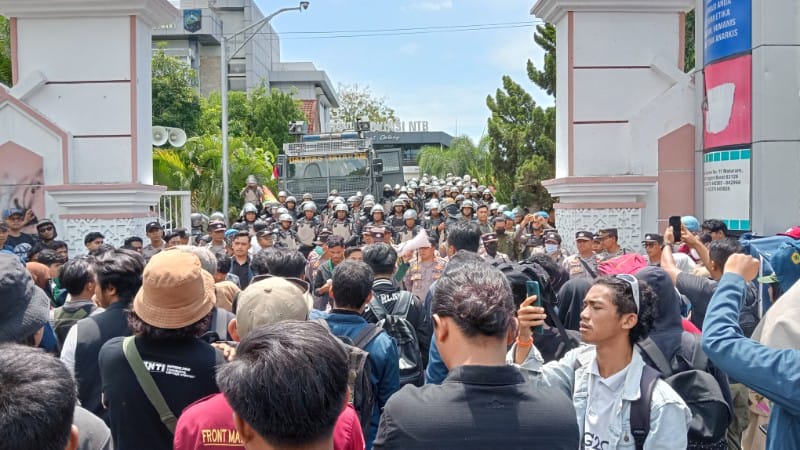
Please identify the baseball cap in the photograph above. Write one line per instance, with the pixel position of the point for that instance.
(691, 223)
(175, 291)
(583, 236)
(489, 237)
(653, 237)
(785, 264)
(552, 237)
(542, 214)
(377, 232)
(267, 302)
(608, 232)
(152, 226)
(216, 226)
(793, 233)
(13, 211)
(24, 307)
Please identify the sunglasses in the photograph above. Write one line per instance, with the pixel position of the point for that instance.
(634, 283)
(48, 228)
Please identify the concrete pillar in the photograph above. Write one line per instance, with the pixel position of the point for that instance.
(751, 139)
(81, 102)
(625, 116)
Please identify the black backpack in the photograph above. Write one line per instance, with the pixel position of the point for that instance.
(397, 325)
(701, 392)
(361, 393)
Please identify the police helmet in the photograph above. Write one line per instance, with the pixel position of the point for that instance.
(250, 208)
(309, 206)
(282, 194)
(410, 214)
(341, 207)
(292, 199)
(467, 204)
(377, 208)
(286, 217)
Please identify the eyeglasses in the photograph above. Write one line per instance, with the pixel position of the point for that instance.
(634, 283)
(45, 229)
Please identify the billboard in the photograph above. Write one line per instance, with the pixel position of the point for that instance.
(728, 112)
(726, 187)
(728, 29)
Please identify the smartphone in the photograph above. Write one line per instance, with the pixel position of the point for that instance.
(532, 288)
(675, 223)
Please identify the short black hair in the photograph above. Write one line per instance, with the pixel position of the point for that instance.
(713, 225)
(180, 232)
(76, 274)
(130, 240)
(55, 245)
(350, 250)
(720, 250)
(352, 284)
(240, 234)
(153, 333)
(335, 241)
(224, 265)
(302, 367)
(285, 263)
(121, 269)
(37, 399)
(171, 235)
(464, 235)
(622, 296)
(477, 297)
(381, 258)
(92, 236)
(558, 274)
(48, 257)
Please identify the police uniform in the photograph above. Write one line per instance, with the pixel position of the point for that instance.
(342, 228)
(397, 223)
(406, 234)
(576, 266)
(286, 239)
(498, 258)
(306, 230)
(485, 227)
(421, 275)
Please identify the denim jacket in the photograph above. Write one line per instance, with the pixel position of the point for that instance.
(669, 415)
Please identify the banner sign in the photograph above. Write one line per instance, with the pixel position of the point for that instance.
(726, 187)
(728, 28)
(728, 93)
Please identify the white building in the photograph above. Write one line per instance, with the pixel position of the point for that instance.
(258, 61)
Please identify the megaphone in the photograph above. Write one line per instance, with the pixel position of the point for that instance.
(160, 136)
(176, 137)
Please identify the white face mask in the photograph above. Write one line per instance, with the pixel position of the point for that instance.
(550, 248)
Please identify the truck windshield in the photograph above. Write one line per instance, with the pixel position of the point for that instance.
(322, 166)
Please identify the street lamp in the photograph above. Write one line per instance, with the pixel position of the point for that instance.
(224, 60)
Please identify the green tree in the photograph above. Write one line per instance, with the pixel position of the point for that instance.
(197, 168)
(176, 102)
(357, 101)
(5, 52)
(545, 37)
(688, 50)
(462, 157)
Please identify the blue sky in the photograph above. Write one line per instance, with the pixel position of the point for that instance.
(443, 78)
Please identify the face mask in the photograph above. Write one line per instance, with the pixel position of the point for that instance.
(550, 248)
(500, 231)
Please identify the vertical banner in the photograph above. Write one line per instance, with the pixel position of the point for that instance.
(728, 28)
(728, 92)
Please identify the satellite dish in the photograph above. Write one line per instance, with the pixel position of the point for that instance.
(160, 136)
(176, 137)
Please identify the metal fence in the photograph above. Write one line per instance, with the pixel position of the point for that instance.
(174, 210)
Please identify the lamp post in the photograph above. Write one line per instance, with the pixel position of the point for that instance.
(224, 59)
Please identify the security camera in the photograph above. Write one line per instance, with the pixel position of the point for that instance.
(304, 5)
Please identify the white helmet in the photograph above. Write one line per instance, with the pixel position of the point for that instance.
(286, 217)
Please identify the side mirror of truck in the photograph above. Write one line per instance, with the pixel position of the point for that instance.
(377, 166)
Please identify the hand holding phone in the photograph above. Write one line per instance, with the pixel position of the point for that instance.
(675, 224)
(532, 288)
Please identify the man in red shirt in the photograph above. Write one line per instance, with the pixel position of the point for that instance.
(208, 423)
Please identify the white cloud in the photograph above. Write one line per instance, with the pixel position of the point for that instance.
(432, 5)
(409, 49)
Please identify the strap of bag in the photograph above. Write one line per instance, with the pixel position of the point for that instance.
(560, 325)
(691, 348)
(148, 384)
(588, 269)
(367, 334)
(377, 308)
(640, 408)
(649, 348)
(403, 305)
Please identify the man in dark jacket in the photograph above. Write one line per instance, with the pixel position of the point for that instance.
(382, 258)
(118, 278)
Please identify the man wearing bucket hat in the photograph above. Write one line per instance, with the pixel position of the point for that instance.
(149, 378)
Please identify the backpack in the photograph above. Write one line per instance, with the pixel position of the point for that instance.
(63, 320)
(359, 366)
(396, 324)
(701, 392)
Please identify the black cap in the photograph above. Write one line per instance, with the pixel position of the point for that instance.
(552, 236)
(608, 232)
(583, 235)
(489, 237)
(216, 226)
(152, 226)
(653, 237)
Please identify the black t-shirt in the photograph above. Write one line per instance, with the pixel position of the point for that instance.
(242, 271)
(184, 373)
(21, 244)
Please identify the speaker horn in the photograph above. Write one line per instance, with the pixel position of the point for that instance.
(417, 242)
(176, 137)
(160, 136)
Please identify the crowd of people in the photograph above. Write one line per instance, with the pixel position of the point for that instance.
(428, 317)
